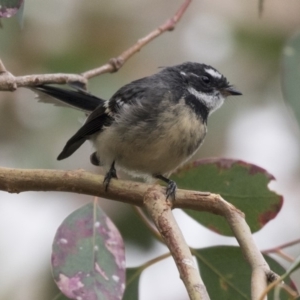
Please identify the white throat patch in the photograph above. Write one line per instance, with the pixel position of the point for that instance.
(212, 101)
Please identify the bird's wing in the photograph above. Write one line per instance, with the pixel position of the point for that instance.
(78, 99)
(94, 123)
(128, 94)
(81, 100)
(105, 113)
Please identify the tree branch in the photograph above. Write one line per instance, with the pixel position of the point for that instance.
(160, 212)
(260, 268)
(82, 182)
(9, 82)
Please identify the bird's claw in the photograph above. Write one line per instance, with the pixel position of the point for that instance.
(171, 190)
(109, 175)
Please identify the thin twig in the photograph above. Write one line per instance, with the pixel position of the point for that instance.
(9, 82)
(289, 290)
(155, 260)
(115, 64)
(150, 263)
(269, 288)
(147, 222)
(280, 247)
(277, 282)
(284, 255)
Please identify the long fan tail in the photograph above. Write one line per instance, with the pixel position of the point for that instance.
(77, 99)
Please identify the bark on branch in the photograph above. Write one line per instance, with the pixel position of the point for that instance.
(82, 182)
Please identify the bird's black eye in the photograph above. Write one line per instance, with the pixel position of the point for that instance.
(205, 79)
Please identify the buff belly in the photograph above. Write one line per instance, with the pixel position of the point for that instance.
(154, 146)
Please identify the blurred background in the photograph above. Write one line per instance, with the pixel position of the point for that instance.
(74, 36)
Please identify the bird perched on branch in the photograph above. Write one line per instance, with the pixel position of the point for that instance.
(150, 126)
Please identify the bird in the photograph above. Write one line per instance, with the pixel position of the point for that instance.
(151, 126)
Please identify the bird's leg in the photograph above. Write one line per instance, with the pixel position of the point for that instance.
(94, 159)
(109, 175)
(171, 187)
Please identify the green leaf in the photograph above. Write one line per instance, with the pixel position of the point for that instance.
(8, 8)
(227, 275)
(132, 283)
(242, 184)
(88, 259)
(290, 74)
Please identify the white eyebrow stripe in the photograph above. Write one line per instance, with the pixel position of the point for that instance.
(213, 73)
(184, 74)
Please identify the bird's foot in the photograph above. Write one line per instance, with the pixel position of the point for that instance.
(171, 186)
(171, 190)
(112, 173)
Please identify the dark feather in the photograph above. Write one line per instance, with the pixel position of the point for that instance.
(78, 99)
(70, 148)
(197, 106)
(94, 123)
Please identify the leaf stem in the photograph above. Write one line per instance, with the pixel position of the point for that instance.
(155, 260)
(285, 245)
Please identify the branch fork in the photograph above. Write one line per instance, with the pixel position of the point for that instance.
(154, 199)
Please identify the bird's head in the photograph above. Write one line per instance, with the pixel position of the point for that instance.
(207, 84)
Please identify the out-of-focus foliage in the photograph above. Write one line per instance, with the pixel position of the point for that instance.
(266, 46)
(8, 8)
(290, 74)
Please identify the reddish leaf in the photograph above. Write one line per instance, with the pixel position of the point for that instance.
(88, 259)
(8, 8)
(242, 184)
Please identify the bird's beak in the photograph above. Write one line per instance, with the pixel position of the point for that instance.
(230, 91)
